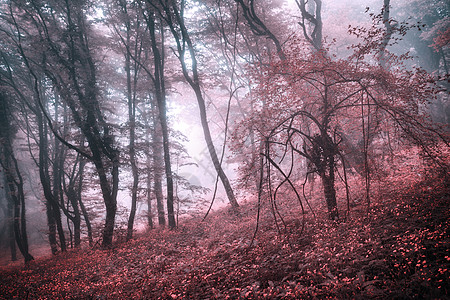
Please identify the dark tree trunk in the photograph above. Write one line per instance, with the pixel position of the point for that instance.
(151, 165)
(149, 196)
(132, 149)
(388, 33)
(59, 227)
(13, 179)
(312, 12)
(330, 195)
(87, 221)
(80, 201)
(73, 190)
(58, 195)
(10, 222)
(12, 242)
(20, 228)
(52, 206)
(17, 196)
(59, 155)
(77, 228)
(51, 228)
(160, 94)
(76, 218)
(73, 74)
(323, 155)
(109, 194)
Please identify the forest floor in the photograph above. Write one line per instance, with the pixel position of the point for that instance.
(400, 250)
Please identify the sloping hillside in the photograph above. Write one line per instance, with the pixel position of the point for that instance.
(400, 250)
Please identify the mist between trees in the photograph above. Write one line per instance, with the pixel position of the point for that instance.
(121, 114)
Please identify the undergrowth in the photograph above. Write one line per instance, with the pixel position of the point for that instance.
(400, 249)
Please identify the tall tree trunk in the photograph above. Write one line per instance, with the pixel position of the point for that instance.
(149, 194)
(168, 169)
(158, 169)
(17, 197)
(160, 94)
(109, 195)
(212, 150)
(150, 145)
(76, 218)
(77, 225)
(80, 201)
(73, 190)
(183, 41)
(388, 33)
(13, 179)
(52, 206)
(58, 175)
(51, 224)
(20, 227)
(132, 150)
(10, 222)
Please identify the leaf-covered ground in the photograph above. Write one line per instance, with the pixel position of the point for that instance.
(401, 250)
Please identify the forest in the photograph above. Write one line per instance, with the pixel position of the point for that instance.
(224, 149)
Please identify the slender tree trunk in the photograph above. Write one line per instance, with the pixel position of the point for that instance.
(76, 219)
(53, 211)
(87, 221)
(132, 151)
(58, 173)
(10, 222)
(312, 12)
(51, 220)
(388, 33)
(151, 165)
(73, 194)
(212, 149)
(168, 169)
(77, 226)
(160, 94)
(151, 148)
(80, 201)
(157, 169)
(184, 42)
(12, 242)
(71, 191)
(17, 196)
(59, 227)
(20, 229)
(149, 194)
(13, 180)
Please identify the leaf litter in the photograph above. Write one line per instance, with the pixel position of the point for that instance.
(400, 250)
